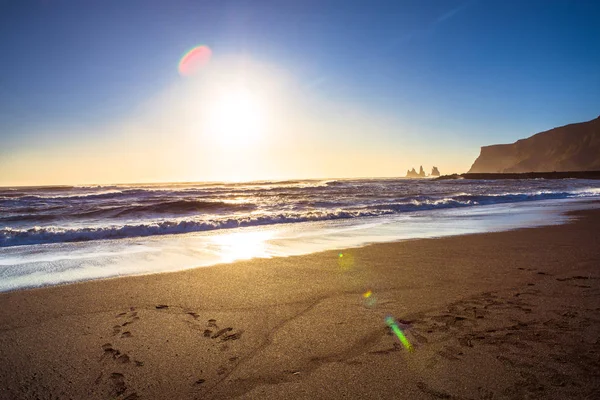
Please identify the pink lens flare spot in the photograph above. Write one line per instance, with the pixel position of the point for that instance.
(194, 60)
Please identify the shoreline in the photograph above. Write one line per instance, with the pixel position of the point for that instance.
(515, 308)
(57, 264)
(523, 175)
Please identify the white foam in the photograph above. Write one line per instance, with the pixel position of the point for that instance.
(49, 264)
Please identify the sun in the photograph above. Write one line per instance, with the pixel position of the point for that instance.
(237, 117)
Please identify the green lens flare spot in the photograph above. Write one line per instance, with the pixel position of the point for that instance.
(398, 332)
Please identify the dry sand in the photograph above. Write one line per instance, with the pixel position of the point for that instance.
(491, 316)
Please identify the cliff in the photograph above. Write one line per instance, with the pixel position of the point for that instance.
(574, 147)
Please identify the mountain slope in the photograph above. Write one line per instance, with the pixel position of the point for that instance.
(574, 147)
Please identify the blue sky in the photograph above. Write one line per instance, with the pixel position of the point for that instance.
(450, 73)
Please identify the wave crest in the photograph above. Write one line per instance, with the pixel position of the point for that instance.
(188, 215)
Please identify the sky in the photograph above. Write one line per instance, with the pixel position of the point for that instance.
(90, 91)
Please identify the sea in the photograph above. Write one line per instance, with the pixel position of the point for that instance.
(63, 234)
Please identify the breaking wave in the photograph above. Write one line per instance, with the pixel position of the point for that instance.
(211, 215)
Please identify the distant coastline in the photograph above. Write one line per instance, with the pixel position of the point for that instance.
(525, 175)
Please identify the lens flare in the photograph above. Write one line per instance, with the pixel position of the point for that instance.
(369, 299)
(396, 329)
(194, 60)
(345, 261)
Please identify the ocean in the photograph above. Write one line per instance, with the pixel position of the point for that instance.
(60, 234)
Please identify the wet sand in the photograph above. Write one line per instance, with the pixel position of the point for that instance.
(506, 315)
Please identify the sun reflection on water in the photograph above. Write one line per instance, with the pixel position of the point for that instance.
(242, 245)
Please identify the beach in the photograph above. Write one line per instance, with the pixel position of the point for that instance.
(488, 316)
(299, 200)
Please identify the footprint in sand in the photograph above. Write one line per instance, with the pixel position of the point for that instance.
(117, 381)
(116, 355)
(126, 334)
(222, 333)
(130, 318)
(221, 370)
(233, 336)
(123, 359)
(109, 351)
(161, 306)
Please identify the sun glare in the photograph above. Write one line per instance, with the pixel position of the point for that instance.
(242, 245)
(237, 117)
